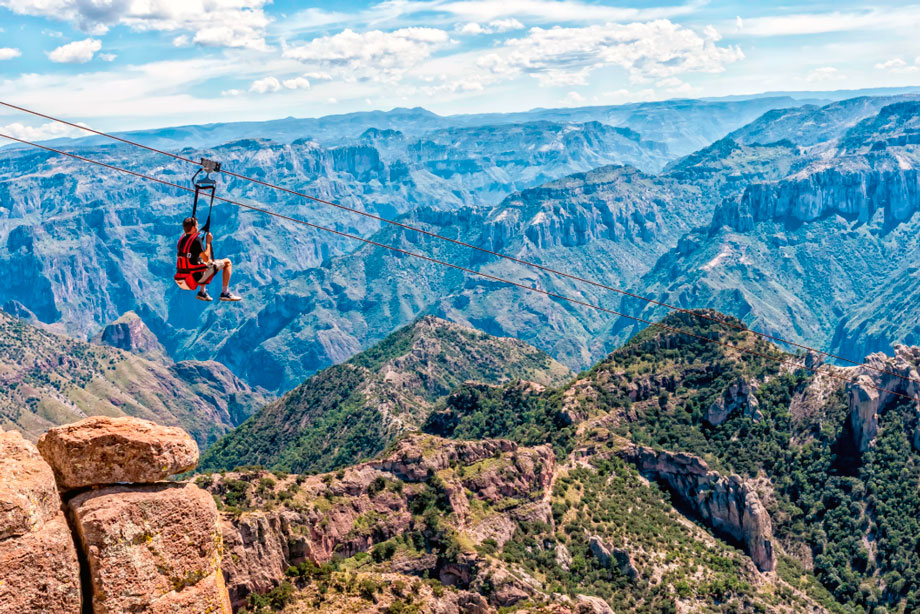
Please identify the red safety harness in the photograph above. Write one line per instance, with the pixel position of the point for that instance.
(185, 270)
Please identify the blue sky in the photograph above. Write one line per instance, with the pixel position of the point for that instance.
(121, 64)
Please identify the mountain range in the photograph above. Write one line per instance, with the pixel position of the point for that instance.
(735, 225)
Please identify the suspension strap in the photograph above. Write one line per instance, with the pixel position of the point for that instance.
(205, 184)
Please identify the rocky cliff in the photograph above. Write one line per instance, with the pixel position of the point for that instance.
(885, 381)
(727, 504)
(130, 542)
(39, 571)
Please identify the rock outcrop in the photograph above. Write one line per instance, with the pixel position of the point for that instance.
(612, 558)
(151, 548)
(728, 505)
(102, 450)
(887, 379)
(738, 396)
(852, 188)
(330, 512)
(129, 333)
(39, 570)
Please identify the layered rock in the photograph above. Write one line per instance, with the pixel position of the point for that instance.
(728, 505)
(853, 189)
(39, 570)
(883, 380)
(102, 450)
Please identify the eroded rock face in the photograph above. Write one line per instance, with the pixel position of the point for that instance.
(39, 571)
(739, 396)
(102, 450)
(151, 548)
(261, 545)
(726, 504)
(28, 497)
(880, 385)
(129, 333)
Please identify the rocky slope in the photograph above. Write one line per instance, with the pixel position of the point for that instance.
(491, 525)
(49, 379)
(802, 470)
(351, 411)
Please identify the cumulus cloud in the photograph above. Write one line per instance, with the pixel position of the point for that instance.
(225, 23)
(896, 65)
(77, 52)
(652, 50)
(498, 26)
(8, 53)
(297, 83)
(825, 73)
(265, 86)
(269, 85)
(42, 132)
(374, 54)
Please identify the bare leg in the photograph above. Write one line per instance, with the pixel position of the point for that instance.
(227, 272)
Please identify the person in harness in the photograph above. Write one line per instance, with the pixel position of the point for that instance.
(198, 265)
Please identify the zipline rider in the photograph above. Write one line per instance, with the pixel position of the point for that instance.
(201, 263)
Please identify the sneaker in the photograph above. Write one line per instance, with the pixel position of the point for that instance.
(229, 296)
(203, 295)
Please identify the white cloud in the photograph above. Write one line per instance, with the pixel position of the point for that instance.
(297, 83)
(896, 65)
(374, 54)
(231, 93)
(225, 23)
(498, 26)
(43, 132)
(905, 17)
(270, 85)
(567, 56)
(266, 85)
(566, 11)
(506, 25)
(471, 28)
(825, 73)
(107, 57)
(8, 53)
(77, 52)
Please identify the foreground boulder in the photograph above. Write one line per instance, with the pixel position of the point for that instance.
(28, 497)
(39, 571)
(151, 548)
(728, 505)
(102, 450)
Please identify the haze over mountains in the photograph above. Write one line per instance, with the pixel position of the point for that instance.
(733, 225)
